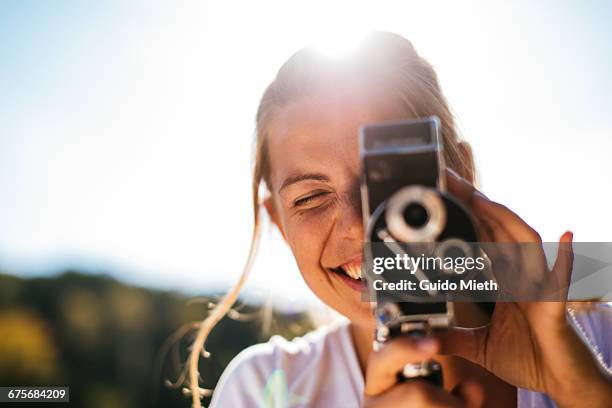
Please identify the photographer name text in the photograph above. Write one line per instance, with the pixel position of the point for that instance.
(440, 285)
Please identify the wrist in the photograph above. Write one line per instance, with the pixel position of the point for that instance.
(594, 394)
(575, 379)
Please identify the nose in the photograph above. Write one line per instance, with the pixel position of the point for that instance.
(349, 221)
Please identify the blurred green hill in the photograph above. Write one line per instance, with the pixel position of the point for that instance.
(104, 339)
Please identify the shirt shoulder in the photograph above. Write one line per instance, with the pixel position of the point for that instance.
(285, 373)
(241, 383)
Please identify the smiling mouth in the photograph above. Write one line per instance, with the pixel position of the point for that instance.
(349, 269)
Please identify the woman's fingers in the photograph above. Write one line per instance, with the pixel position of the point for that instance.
(561, 274)
(521, 246)
(460, 188)
(471, 393)
(492, 214)
(415, 394)
(384, 364)
(474, 199)
(565, 260)
(496, 228)
(490, 229)
(421, 394)
(518, 229)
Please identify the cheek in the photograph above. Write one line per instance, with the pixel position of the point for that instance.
(307, 235)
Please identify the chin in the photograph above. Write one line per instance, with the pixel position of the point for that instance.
(359, 313)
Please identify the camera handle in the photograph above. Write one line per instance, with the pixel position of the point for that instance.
(429, 370)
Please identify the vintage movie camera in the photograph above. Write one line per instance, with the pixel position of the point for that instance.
(407, 210)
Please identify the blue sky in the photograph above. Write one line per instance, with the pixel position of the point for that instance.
(125, 127)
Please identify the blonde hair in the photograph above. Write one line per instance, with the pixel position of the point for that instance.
(384, 65)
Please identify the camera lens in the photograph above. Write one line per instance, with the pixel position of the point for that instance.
(453, 248)
(416, 215)
(454, 252)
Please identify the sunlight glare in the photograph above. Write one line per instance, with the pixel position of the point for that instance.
(339, 43)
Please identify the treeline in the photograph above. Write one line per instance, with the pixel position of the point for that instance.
(104, 339)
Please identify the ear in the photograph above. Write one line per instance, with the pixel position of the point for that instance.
(469, 171)
(273, 214)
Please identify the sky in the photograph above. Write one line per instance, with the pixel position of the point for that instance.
(126, 127)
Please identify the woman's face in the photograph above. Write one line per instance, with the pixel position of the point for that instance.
(313, 152)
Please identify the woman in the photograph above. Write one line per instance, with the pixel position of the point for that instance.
(307, 162)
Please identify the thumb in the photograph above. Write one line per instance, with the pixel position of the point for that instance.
(561, 274)
(471, 393)
(565, 260)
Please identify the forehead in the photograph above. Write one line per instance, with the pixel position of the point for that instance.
(320, 134)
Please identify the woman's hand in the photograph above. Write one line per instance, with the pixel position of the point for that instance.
(383, 390)
(528, 344)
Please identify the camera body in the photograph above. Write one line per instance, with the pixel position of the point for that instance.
(406, 207)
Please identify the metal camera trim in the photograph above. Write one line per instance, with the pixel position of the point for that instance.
(444, 245)
(432, 203)
(431, 320)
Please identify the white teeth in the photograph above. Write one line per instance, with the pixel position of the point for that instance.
(353, 270)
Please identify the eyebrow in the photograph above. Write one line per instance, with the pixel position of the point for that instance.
(303, 177)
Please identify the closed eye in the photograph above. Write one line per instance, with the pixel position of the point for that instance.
(309, 199)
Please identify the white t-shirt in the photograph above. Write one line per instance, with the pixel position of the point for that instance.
(317, 370)
(321, 370)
